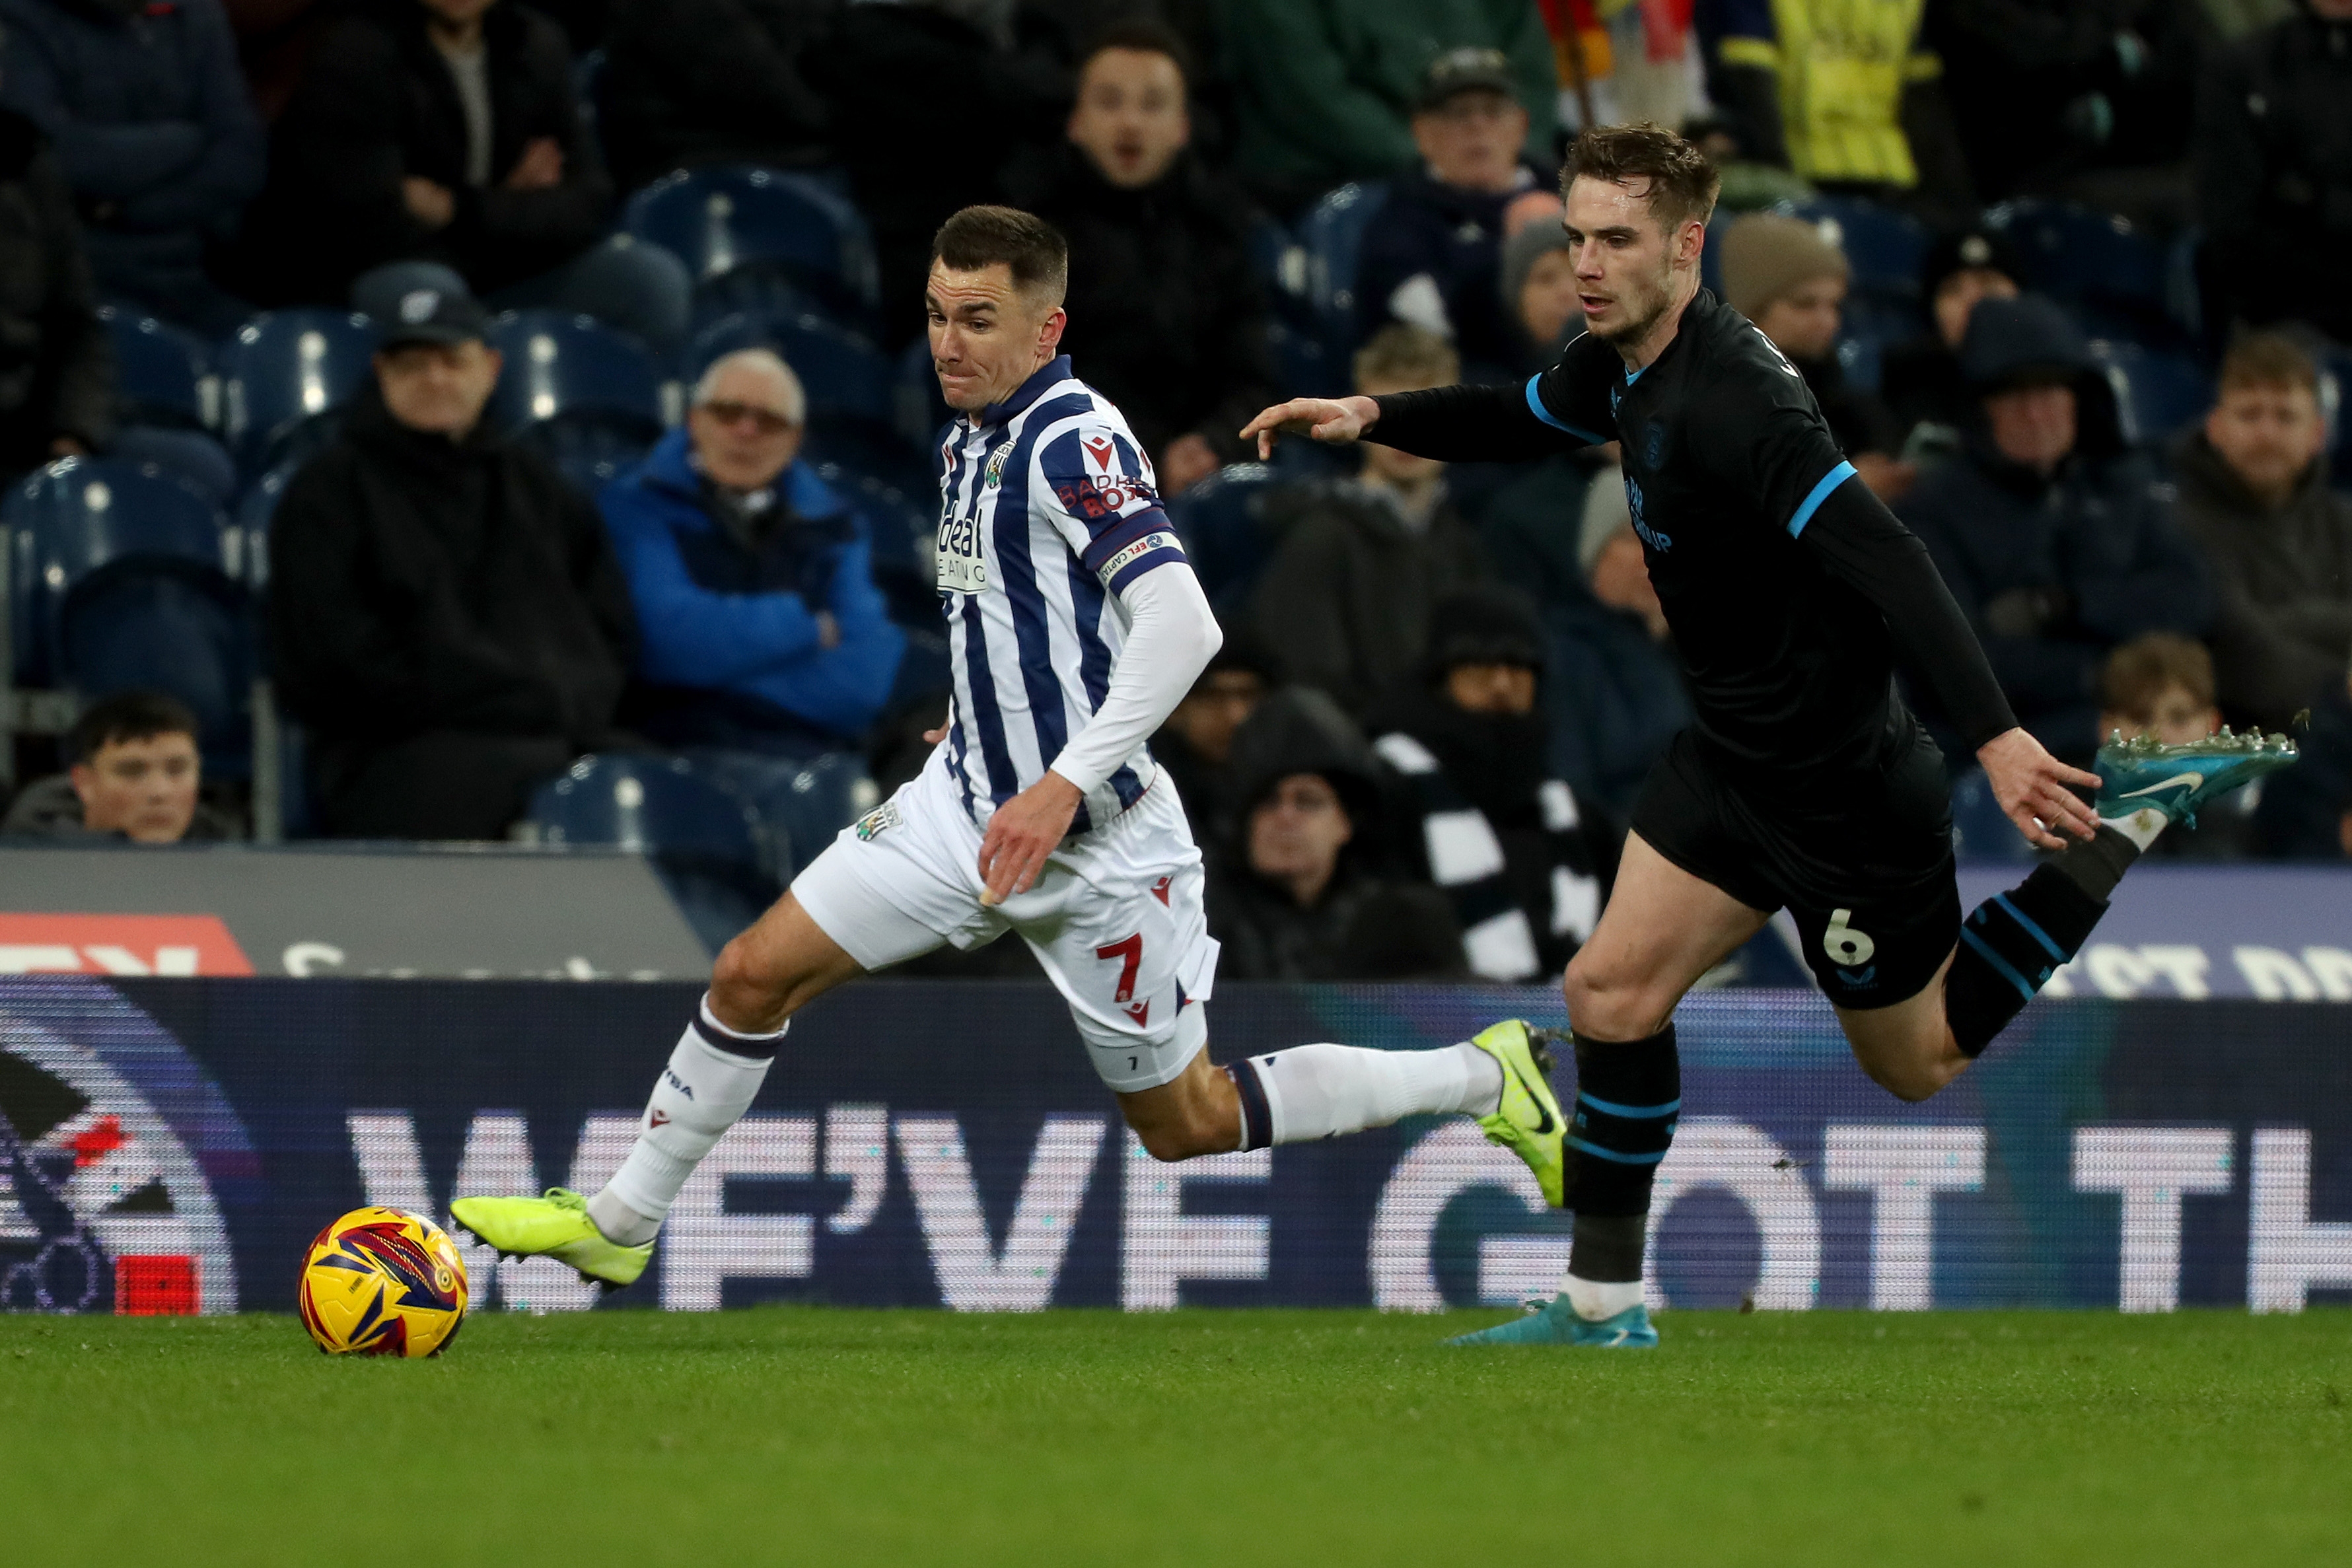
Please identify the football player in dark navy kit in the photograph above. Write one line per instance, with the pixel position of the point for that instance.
(1803, 784)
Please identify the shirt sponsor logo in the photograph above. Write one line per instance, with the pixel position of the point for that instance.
(1099, 490)
(1660, 542)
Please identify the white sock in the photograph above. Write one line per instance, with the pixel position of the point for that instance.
(1322, 1090)
(1595, 1299)
(2141, 826)
(702, 1092)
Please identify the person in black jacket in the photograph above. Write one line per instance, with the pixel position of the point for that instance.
(1165, 313)
(688, 82)
(57, 370)
(448, 619)
(1296, 892)
(2057, 542)
(1433, 258)
(1526, 863)
(447, 132)
(2274, 159)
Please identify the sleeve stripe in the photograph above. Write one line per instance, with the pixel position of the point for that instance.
(1536, 406)
(1122, 532)
(1813, 504)
(1166, 555)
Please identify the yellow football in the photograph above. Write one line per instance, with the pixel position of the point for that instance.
(382, 1281)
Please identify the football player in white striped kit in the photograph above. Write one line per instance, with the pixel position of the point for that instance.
(1075, 625)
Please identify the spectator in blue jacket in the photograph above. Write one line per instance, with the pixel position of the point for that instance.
(2057, 542)
(760, 629)
(147, 109)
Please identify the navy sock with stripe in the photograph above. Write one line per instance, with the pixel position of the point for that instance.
(2011, 946)
(1627, 1098)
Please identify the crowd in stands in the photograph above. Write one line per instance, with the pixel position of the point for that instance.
(2108, 402)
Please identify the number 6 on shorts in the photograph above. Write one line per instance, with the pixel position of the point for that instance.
(1847, 947)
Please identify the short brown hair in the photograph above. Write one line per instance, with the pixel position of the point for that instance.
(982, 236)
(2269, 359)
(1141, 37)
(2145, 669)
(1401, 355)
(1683, 182)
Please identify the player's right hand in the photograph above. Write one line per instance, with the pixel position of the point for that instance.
(1336, 420)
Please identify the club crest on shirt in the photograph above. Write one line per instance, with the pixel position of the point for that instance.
(993, 475)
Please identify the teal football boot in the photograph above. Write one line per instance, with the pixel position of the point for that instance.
(2140, 773)
(1558, 1324)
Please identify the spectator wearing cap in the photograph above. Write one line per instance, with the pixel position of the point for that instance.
(438, 143)
(1296, 892)
(1325, 93)
(2255, 492)
(760, 628)
(1195, 746)
(133, 772)
(1433, 258)
(1526, 864)
(448, 619)
(1789, 279)
(1344, 603)
(1921, 380)
(1166, 312)
(155, 133)
(57, 369)
(2058, 543)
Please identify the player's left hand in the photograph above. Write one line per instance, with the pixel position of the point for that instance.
(1023, 831)
(2032, 787)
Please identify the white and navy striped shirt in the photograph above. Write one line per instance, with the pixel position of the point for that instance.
(1048, 509)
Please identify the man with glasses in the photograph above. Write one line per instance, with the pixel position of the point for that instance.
(761, 631)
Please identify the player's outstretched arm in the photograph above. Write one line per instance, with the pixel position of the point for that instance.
(1335, 420)
(2032, 787)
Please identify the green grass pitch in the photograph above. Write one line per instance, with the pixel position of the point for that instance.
(804, 1434)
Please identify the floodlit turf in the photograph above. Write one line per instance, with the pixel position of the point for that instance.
(812, 1436)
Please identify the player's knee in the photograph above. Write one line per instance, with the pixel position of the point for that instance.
(1916, 1075)
(742, 991)
(1606, 1005)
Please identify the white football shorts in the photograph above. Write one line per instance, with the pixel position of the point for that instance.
(1116, 917)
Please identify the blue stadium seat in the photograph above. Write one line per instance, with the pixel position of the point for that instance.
(1280, 263)
(739, 219)
(920, 413)
(1333, 235)
(2158, 392)
(584, 396)
(283, 376)
(1220, 521)
(2094, 261)
(135, 581)
(159, 373)
(804, 806)
(1884, 248)
(1982, 834)
(1303, 365)
(705, 841)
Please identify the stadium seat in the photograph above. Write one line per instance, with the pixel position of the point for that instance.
(192, 455)
(135, 581)
(1982, 833)
(736, 219)
(283, 375)
(1280, 263)
(1303, 366)
(805, 809)
(1884, 248)
(2094, 261)
(903, 529)
(705, 841)
(584, 396)
(2157, 392)
(920, 412)
(1332, 234)
(1219, 520)
(160, 374)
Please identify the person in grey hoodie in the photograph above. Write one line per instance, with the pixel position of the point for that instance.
(2255, 493)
